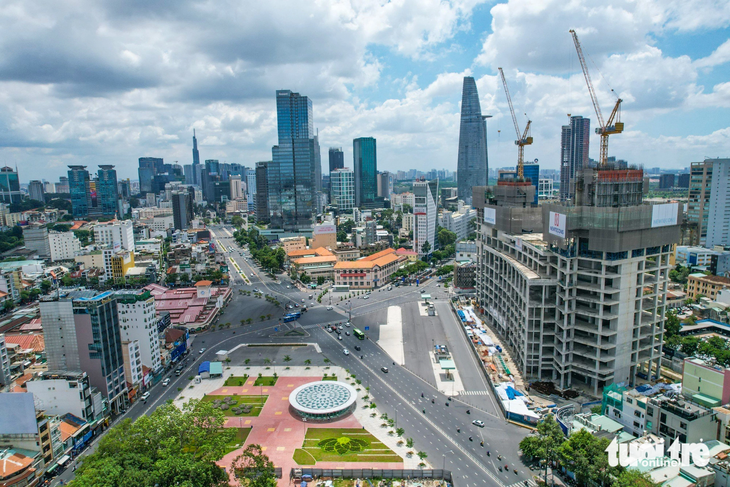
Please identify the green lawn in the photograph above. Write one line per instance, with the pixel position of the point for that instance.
(266, 381)
(239, 439)
(235, 380)
(330, 377)
(256, 401)
(354, 445)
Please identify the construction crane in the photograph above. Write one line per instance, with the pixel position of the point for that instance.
(605, 128)
(524, 138)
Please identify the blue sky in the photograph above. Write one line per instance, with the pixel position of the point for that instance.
(95, 82)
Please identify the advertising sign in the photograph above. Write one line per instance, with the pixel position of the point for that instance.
(557, 224)
(490, 216)
(518, 243)
(664, 215)
(321, 229)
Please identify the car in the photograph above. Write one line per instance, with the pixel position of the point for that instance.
(348, 323)
(201, 351)
(347, 333)
(296, 305)
(330, 330)
(478, 422)
(339, 327)
(165, 382)
(289, 306)
(357, 347)
(288, 287)
(339, 337)
(329, 308)
(367, 296)
(310, 297)
(384, 369)
(346, 352)
(302, 300)
(255, 290)
(145, 396)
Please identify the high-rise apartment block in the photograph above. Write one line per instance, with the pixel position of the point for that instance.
(82, 334)
(342, 189)
(292, 173)
(577, 292)
(574, 144)
(425, 212)
(336, 158)
(718, 214)
(365, 164)
(473, 163)
(700, 198)
(137, 322)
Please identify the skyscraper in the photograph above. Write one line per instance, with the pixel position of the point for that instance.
(532, 172)
(9, 185)
(262, 191)
(317, 165)
(473, 163)
(573, 152)
(209, 176)
(716, 203)
(337, 158)
(182, 210)
(425, 212)
(79, 184)
(149, 167)
(291, 175)
(342, 188)
(196, 160)
(107, 191)
(250, 175)
(189, 172)
(35, 190)
(366, 171)
(236, 187)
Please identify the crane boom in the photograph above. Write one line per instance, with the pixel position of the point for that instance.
(604, 128)
(522, 139)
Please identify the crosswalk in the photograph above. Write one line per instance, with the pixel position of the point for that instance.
(474, 393)
(524, 483)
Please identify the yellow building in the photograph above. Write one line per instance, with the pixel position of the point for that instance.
(707, 286)
(118, 263)
(369, 272)
(290, 244)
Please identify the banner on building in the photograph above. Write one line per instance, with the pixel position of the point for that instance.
(490, 216)
(557, 224)
(664, 215)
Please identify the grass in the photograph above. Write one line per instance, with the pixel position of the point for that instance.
(266, 380)
(256, 401)
(330, 377)
(235, 380)
(238, 440)
(311, 452)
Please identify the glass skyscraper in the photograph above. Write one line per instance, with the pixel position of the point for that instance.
(337, 158)
(149, 167)
(366, 171)
(79, 185)
(292, 173)
(107, 190)
(574, 144)
(473, 164)
(196, 161)
(9, 185)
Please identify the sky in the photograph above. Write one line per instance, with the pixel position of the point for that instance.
(106, 82)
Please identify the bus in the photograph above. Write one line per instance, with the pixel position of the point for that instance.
(292, 317)
(358, 334)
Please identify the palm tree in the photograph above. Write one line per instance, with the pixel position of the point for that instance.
(247, 361)
(307, 362)
(267, 361)
(263, 318)
(287, 358)
(248, 320)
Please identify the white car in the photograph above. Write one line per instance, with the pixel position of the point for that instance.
(346, 352)
(329, 308)
(165, 382)
(145, 396)
(478, 422)
(339, 337)
(201, 351)
(288, 287)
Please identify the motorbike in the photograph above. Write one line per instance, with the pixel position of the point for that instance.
(468, 412)
(500, 468)
(432, 401)
(458, 430)
(488, 453)
(470, 439)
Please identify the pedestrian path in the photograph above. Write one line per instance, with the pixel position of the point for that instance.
(524, 483)
(474, 393)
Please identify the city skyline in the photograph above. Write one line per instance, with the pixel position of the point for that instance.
(401, 86)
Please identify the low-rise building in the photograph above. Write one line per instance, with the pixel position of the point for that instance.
(705, 382)
(290, 244)
(60, 392)
(707, 286)
(466, 250)
(346, 252)
(24, 426)
(409, 254)
(458, 221)
(132, 363)
(465, 276)
(191, 308)
(673, 417)
(324, 235)
(369, 272)
(694, 256)
(63, 245)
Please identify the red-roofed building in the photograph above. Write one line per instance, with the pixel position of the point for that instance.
(192, 307)
(369, 272)
(31, 343)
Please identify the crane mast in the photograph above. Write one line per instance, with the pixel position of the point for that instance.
(522, 139)
(604, 128)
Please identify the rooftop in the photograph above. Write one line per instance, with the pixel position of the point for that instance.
(18, 414)
(14, 460)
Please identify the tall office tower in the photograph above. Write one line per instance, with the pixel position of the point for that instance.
(124, 188)
(182, 210)
(342, 188)
(62, 185)
(262, 192)
(149, 167)
(83, 334)
(250, 176)
(291, 174)
(210, 175)
(236, 187)
(385, 184)
(196, 160)
(35, 190)
(189, 174)
(574, 143)
(473, 162)
(317, 165)
(578, 291)
(9, 185)
(337, 158)
(79, 184)
(718, 215)
(698, 206)
(365, 164)
(425, 212)
(107, 191)
(532, 172)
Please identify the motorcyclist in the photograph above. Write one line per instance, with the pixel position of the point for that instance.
(470, 439)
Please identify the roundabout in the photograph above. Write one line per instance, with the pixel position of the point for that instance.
(323, 400)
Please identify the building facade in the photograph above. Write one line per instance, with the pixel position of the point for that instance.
(262, 192)
(342, 188)
(61, 392)
(182, 210)
(707, 286)
(425, 216)
(365, 163)
(369, 272)
(718, 212)
(63, 245)
(36, 240)
(138, 323)
(116, 235)
(472, 163)
(250, 175)
(79, 184)
(36, 191)
(698, 205)
(336, 158)
(458, 221)
(107, 191)
(574, 145)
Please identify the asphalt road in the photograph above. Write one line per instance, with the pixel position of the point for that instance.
(397, 393)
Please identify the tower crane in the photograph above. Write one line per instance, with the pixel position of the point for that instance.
(522, 139)
(604, 128)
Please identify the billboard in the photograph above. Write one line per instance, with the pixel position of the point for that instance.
(490, 216)
(664, 215)
(557, 224)
(518, 243)
(322, 229)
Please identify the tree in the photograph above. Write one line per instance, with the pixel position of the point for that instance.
(8, 304)
(254, 469)
(426, 247)
(307, 362)
(409, 442)
(320, 280)
(671, 325)
(445, 237)
(400, 431)
(287, 358)
(545, 444)
(585, 455)
(66, 280)
(172, 446)
(633, 478)
(422, 455)
(237, 221)
(305, 278)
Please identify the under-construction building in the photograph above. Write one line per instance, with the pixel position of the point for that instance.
(577, 291)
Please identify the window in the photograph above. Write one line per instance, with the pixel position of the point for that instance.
(683, 425)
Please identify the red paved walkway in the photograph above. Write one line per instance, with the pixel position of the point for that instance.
(280, 433)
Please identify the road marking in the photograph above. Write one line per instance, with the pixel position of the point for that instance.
(271, 429)
(474, 393)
